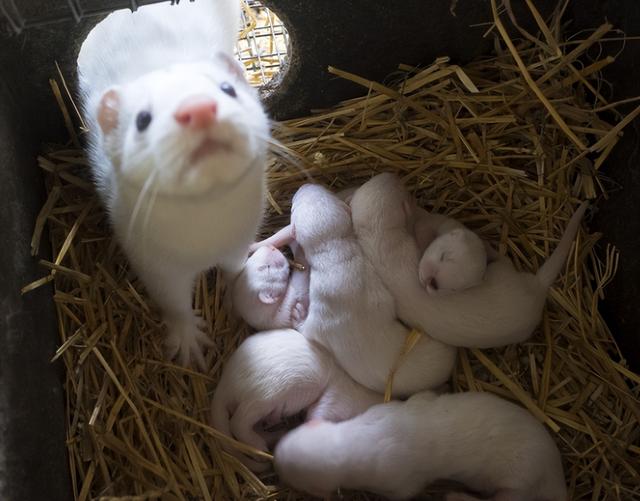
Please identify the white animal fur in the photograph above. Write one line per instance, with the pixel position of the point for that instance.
(175, 215)
(396, 449)
(268, 294)
(426, 226)
(453, 257)
(351, 313)
(276, 374)
(504, 308)
(453, 261)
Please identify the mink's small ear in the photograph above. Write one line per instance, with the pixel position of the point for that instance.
(109, 111)
(233, 66)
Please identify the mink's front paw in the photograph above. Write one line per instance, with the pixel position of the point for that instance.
(186, 343)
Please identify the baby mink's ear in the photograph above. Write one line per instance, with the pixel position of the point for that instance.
(268, 297)
(109, 110)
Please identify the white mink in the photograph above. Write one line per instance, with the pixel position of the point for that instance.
(268, 293)
(276, 374)
(504, 308)
(490, 445)
(351, 312)
(177, 145)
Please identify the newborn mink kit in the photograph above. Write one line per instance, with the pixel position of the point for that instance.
(340, 352)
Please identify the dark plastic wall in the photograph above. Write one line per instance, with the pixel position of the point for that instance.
(619, 217)
(33, 464)
(370, 38)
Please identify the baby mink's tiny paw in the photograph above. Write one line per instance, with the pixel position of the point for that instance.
(298, 313)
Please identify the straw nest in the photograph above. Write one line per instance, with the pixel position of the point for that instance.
(509, 145)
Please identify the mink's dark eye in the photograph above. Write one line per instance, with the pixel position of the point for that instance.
(143, 120)
(228, 89)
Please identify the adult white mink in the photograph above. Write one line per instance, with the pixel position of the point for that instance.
(177, 144)
(397, 449)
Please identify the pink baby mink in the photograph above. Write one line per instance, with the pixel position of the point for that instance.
(351, 312)
(504, 308)
(276, 374)
(488, 444)
(268, 294)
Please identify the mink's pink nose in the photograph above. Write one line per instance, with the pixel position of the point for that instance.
(197, 112)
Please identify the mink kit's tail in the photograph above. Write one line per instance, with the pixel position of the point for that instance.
(550, 270)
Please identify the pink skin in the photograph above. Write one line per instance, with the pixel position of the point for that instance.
(351, 313)
(268, 294)
(197, 112)
(504, 308)
(395, 450)
(274, 375)
(342, 399)
(288, 307)
(283, 237)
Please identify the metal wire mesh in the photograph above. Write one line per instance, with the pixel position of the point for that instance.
(262, 43)
(20, 14)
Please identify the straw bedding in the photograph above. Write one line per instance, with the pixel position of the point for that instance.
(509, 145)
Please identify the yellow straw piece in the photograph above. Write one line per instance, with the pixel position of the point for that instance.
(413, 336)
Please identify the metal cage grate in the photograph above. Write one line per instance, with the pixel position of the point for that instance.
(42, 12)
(262, 45)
